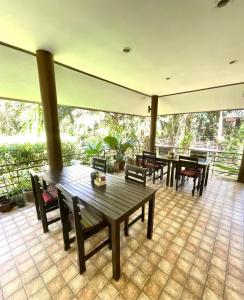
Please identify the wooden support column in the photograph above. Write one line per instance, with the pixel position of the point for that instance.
(46, 74)
(241, 170)
(153, 127)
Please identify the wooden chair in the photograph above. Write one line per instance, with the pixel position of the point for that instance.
(99, 164)
(138, 175)
(162, 150)
(199, 154)
(46, 200)
(149, 162)
(188, 167)
(84, 220)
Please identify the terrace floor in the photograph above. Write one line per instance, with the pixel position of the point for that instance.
(196, 253)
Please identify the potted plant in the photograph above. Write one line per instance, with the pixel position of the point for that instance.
(94, 149)
(119, 147)
(17, 196)
(27, 191)
(6, 203)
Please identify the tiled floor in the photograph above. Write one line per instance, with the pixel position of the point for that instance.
(196, 253)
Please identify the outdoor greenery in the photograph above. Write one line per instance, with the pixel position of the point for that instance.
(17, 159)
(86, 133)
(118, 146)
(215, 130)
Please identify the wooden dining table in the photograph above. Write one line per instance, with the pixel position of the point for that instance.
(171, 162)
(203, 164)
(116, 201)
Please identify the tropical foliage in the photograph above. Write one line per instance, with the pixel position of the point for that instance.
(87, 133)
(17, 159)
(119, 146)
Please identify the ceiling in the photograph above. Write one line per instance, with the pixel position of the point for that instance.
(190, 41)
(19, 80)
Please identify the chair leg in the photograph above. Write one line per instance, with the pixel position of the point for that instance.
(194, 187)
(126, 228)
(37, 209)
(182, 180)
(66, 236)
(162, 173)
(198, 182)
(80, 252)
(43, 218)
(143, 213)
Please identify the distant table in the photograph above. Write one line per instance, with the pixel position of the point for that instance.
(204, 164)
(116, 201)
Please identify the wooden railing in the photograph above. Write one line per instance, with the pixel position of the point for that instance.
(223, 163)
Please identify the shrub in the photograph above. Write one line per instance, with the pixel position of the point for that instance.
(16, 160)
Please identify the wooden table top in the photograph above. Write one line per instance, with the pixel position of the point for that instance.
(166, 158)
(116, 200)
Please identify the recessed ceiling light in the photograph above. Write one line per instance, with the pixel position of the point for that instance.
(127, 50)
(233, 61)
(168, 78)
(223, 3)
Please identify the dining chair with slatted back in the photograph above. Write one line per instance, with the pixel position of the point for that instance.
(149, 162)
(99, 164)
(137, 175)
(188, 167)
(163, 150)
(46, 200)
(84, 220)
(199, 154)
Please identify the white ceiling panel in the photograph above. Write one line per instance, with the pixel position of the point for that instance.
(19, 80)
(76, 89)
(190, 41)
(225, 98)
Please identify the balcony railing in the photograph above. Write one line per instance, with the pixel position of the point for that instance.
(15, 175)
(223, 163)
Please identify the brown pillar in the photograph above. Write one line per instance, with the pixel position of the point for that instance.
(50, 109)
(241, 170)
(153, 128)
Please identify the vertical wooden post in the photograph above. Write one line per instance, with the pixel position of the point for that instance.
(46, 74)
(153, 127)
(241, 170)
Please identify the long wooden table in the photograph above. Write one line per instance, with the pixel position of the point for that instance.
(116, 201)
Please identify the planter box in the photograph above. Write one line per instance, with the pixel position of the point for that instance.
(6, 204)
(121, 165)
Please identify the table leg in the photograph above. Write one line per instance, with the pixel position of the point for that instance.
(115, 235)
(168, 175)
(202, 181)
(172, 175)
(150, 217)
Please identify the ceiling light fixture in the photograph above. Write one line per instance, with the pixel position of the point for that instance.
(223, 3)
(233, 61)
(127, 50)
